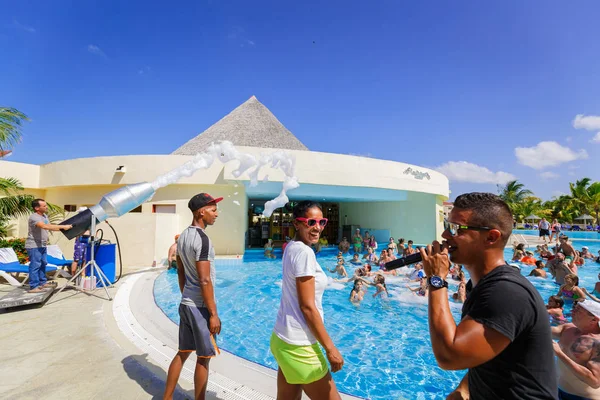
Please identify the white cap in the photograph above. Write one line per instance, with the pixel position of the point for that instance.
(585, 247)
(591, 306)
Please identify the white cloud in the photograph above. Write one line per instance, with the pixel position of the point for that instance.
(547, 154)
(92, 48)
(589, 122)
(22, 27)
(549, 175)
(463, 171)
(596, 139)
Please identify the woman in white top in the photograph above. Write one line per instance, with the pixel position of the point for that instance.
(299, 328)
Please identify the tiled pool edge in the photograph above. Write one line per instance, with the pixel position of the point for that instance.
(138, 317)
(161, 353)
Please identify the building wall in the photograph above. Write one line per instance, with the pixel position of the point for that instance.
(417, 218)
(146, 236)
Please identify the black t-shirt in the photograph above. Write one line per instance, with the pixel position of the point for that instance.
(507, 302)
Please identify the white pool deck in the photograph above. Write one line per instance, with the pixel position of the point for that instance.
(80, 346)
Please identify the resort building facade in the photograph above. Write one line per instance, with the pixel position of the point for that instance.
(399, 200)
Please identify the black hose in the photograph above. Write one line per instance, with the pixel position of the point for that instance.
(119, 250)
(98, 241)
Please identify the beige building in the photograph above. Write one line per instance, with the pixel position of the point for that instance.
(401, 200)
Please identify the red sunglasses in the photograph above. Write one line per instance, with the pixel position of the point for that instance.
(312, 221)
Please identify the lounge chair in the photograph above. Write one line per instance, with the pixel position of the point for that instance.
(56, 258)
(9, 264)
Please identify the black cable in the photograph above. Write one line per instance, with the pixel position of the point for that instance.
(119, 250)
(98, 241)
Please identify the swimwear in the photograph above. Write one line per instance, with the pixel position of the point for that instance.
(569, 259)
(570, 294)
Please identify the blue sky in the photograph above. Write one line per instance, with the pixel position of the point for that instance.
(485, 91)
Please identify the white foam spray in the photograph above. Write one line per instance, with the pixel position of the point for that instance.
(225, 152)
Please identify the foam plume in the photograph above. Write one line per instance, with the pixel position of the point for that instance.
(226, 152)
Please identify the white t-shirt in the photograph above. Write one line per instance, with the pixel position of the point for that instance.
(298, 260)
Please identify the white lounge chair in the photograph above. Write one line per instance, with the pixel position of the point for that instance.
(9, 264)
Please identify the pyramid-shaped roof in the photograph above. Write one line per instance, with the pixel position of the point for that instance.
(250, 124)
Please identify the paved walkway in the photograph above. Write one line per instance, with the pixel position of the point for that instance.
(63, 350)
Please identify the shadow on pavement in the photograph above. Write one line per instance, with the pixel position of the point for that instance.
(151, 377)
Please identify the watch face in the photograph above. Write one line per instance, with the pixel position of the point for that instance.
(436, 281)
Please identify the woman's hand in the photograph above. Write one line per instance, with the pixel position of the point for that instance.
(335, 359)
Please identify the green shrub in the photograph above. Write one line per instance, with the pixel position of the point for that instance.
(18, 246)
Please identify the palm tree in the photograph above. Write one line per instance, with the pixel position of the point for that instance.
(11, 121)
(514, 193)
(528, 206)
(13, 203)
(592, 200)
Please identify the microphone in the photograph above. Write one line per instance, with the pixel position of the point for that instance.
(401, 262)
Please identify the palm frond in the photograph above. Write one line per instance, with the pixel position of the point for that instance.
(11, 121)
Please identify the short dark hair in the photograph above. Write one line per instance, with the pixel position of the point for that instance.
(539, 264)
(36, 203)
(558, 300)
(488, 210)
(302, 207)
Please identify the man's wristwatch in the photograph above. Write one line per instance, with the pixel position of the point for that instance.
(437, 282)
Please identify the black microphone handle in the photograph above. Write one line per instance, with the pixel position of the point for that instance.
(401, 262)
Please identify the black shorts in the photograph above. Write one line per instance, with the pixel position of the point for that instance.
(194, 334)
(544, 232)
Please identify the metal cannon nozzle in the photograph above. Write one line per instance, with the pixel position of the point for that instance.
(112, 205)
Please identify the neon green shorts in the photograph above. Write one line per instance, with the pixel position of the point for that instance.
(300, 365)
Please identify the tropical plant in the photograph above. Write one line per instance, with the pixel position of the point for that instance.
(528, 206)
(18, 245)
(11, 121)
(13, 203)
(514, 193)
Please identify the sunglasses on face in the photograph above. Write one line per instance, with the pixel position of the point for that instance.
(453, 228)
(313, 221)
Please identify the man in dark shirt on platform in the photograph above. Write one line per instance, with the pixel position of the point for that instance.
(504, 337)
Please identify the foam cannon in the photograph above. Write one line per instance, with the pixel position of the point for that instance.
(112, 205)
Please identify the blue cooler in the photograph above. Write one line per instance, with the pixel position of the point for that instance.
(106, 256)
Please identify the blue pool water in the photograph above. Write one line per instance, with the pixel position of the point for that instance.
(571, 234)
(385, 342)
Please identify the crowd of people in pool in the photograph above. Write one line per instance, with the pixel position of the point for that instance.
(560, 262)
(368, 264)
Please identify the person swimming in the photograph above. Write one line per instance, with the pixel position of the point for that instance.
(422, 289)
(518, 251)
(571, 291)
(357, 293)
(371, 256)
(355, 260)
(269, 249)
(555, 308)
(379, 282)
(538, 270)
(357, 241)
(340, 269)
(461, 294)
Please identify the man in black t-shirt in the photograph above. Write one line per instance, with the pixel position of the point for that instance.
(503, 338)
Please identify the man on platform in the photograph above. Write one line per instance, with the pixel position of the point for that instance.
(199, 322)
(35, 244)
(503, 338)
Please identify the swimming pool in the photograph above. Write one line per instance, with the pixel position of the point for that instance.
(571, 234)
(385, 342)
